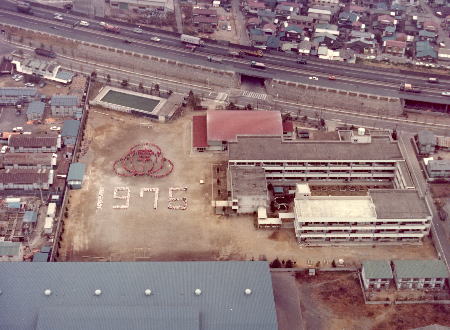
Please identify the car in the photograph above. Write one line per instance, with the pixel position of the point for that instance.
(84, 23)
(29, 85)
(155, 39)
(301, 61)
(4, 149)
(17, 129)
(126, 41)
(229, 28)
(433, 80)
(137, 30)
(58, 17)
(331, 77)
(42, 84)
(53, 27)
(313, 78)
(102, 23)
(445, 93)
(55, 128)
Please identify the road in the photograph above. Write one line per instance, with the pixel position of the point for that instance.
(350, 78)
(439, 230)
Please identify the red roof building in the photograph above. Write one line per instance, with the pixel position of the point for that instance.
(199, 140)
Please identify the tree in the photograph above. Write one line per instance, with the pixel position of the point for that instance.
(157, 89)
(305, 118)
(275, 264)
(249, 107)
(141, 86)
(108, 78)
(170, 92)
(322, 122)
(289, 264)
(124, 83)
(93, 75)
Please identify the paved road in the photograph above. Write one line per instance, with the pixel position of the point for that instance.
(178, 15)
(440, 230)
(352, 78)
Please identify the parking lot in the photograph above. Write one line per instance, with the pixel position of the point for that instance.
(94, 230)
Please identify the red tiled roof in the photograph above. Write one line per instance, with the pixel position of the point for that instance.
(395, 43)
(386, 18)
(205, 19)
(256, 5)
(201, 11)
(30, 141)
(357, 9)
(199, 132)
(226, 125)
(292, 4)
(23, 176)
(27, 158)
(400, 36)
(288, 126)
(253, 20)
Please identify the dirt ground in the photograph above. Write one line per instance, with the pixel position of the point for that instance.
(142, 233)
(335, 301)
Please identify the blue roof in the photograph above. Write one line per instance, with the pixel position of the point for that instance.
(40, 257)
(65, 75)
(390, 29)
(70, 128)
(273, 42)
(8, 249)
(9, 91)
(64, 100)
(424, 49)
(222, 305)
(29, 216)
(428, 34)
(46, 249)
(36, 107)
(76, 172)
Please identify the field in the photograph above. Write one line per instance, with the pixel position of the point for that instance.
(334, 301)
(142, 233)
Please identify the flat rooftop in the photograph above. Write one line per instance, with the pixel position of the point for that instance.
(324, 208)
(248, 181)
(272, 148)
(399, 204)
(131, 101)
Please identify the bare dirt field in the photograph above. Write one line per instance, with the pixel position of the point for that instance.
(335, 301)
(143, 233)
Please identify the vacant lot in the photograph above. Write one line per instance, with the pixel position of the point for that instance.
(334, 301)
(143, 233)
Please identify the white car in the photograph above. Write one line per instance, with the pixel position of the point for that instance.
(55, 128)
(4, 149)
(155, 39)
(313, 78)
(229, 28)
(445, 93)
(58, 17)
(29, 85)
(84, 23)
(137, 30)
(102, 23)
(17, 129)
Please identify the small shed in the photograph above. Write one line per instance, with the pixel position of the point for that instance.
(35, 110)
(76, 175)
(40, 257)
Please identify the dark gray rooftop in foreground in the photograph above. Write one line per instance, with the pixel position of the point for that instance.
(399, 204)
(123, 304)
(272, 148)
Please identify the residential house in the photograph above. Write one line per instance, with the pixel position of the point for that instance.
(253, 22)
(305, 22)
(357, 9)
(376, 274)
(26, 179)
(388, 31)
(69, 132)
(362, 46)
(66, 106)
(444, 54)
(347, 19)
(327, 28)
(14, 95)
(258, 38)
(430, 26)
(292, 33)
(386, 20)
(34, 143)
(394, 47)
(269, 29)
(320, 16)
(325, 39)
(439, 169)
(425, 35)
(35, 110)
(206, 22)
(331, 3)
(204, 12)
(362, 35)
(420, 274)
(254, 6)
(425, 52)
(304, 47)
(285, 10)
(273, 42)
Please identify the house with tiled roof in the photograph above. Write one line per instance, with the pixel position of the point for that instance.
(305, 22)
(394, 47)
(254, 6)
(386, 20)
(269, 28)
(425, 51)
(425, 35)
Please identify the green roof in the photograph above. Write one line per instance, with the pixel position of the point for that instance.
(377, 269)
(9, 248)
(420, 268)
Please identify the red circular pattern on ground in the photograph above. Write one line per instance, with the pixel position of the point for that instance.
(144, 159)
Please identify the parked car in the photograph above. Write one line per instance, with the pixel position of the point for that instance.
(4, 149)
(433, 80)
(155, 39)
(331, 77)
(58, 17)
(126, 41)
(301, 61)
(137, 30)
(17, 129)
(84, 23)
(313, 78)
(229, 28)
(445, 93)
(55, 128)
(29, 85)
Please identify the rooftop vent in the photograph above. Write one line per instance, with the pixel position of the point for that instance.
(47, 292)
(98, 292)
(198, 292)
(248, 292)
(148, 292)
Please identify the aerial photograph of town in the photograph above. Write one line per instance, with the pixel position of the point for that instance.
(224, 164)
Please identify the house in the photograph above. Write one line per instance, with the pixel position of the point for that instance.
(35, 110)
(273, 42)
(425, 52)
(288, 130)
(284, 10)
(324, 39)
(66, 106)
(305, 47)
(305, 22)
(362, 46)
(319, 15)
(137, 295)
(254, 6)
(13, 95)
(389, 31)
(426, 142)
(430, 26)
(69, 132)
(376, 274)
(26, 179)
(331, 3)
(34, 143)
(347, 19)
(269, 28)
(248, 189)
(327, 28)
(220, 127)
(420, 274)
(386, 20)
(394, 47)
(75, 176)
(253, 22)
(439, 169)
(204, 12)
(211, 21)
(292, 32)
(444, 54)
(362, 35)
(6, 66)
(425, 35)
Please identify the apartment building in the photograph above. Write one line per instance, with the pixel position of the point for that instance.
(25, 161)
(66, 106)
(13, 95)
(389, 216)
(420, 274)
(34, 143)
(26, 179)
(376, 274)
(377, 160)
(439, 169)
